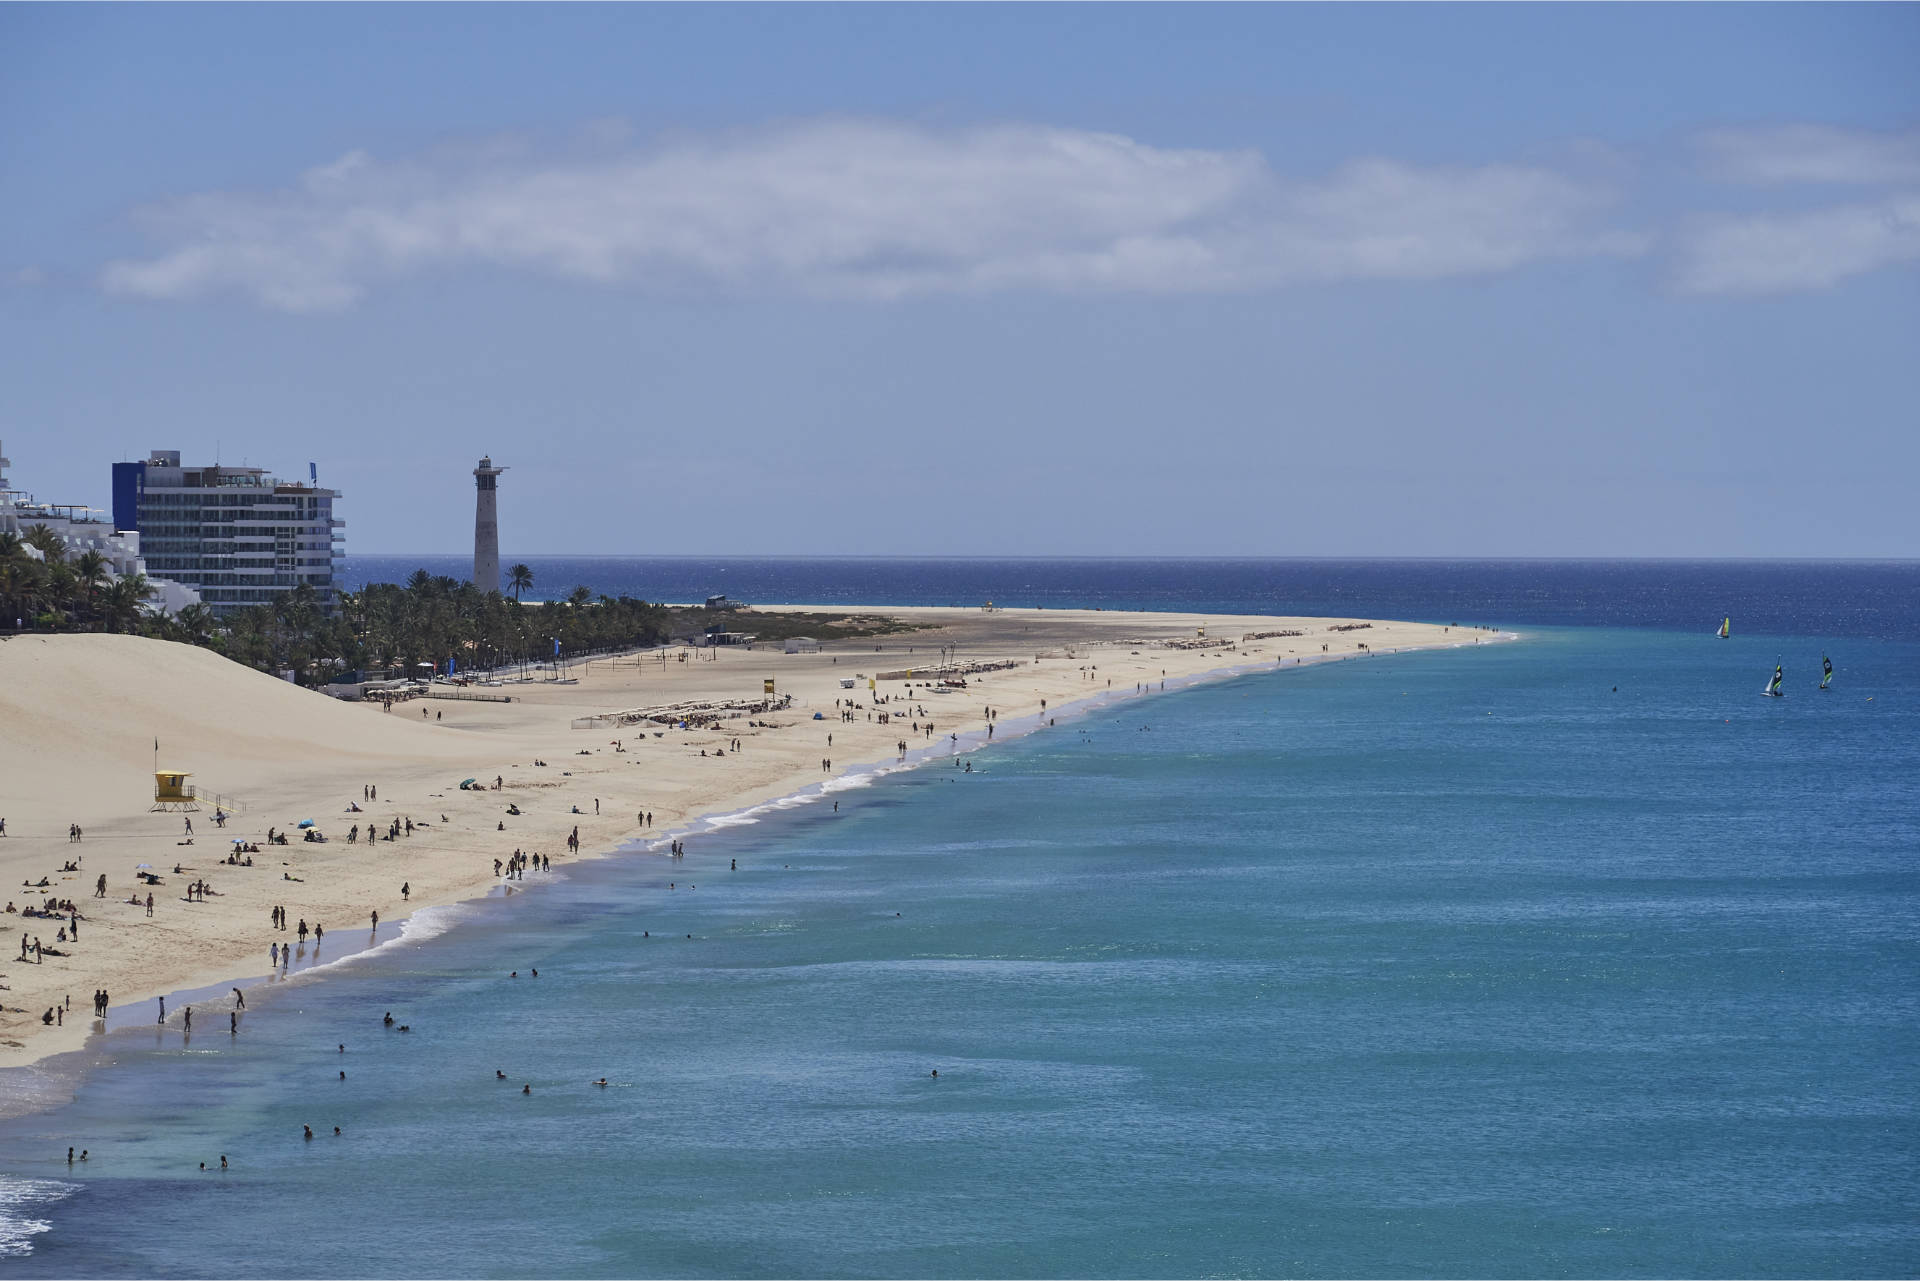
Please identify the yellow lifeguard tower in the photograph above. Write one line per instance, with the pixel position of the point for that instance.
(172, 791)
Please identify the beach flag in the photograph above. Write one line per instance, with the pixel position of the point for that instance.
(313, 472)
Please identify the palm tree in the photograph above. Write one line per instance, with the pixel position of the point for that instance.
(90, 570)
(22, 580)
(196, 623)
(125, 600)
(520, 579)
(46, 542)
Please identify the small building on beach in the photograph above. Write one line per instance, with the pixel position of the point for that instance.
(802, 645)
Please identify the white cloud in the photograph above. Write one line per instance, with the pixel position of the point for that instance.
(1813, 153)
(865, 209)
(1777, 253)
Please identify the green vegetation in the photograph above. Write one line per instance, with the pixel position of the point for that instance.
(385, 628)
(56, 594)
(776, 627)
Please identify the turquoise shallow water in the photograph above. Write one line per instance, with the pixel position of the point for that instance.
(1458, 963)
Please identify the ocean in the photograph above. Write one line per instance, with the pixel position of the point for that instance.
(1879, 599)
(1568, 957)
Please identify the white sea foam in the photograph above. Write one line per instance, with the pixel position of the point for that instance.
(431, 922)
(743, 819)
(427, 923)
(18, 1198)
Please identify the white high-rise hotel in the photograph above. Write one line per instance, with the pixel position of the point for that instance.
(238, 535)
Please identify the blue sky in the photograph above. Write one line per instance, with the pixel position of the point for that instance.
(1255, 280)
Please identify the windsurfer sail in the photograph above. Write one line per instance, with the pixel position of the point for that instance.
(1773, 689)
(1726, 628)
(1826, 670)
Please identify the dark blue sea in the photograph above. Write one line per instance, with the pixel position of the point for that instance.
(1567, 957)
(1852, 598)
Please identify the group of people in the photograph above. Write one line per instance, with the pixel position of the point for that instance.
(53, 908)
(515, 867)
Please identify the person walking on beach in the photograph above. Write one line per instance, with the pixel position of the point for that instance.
(189, 826)
(149, 902)
(376, 919)
(100, 886)
(163, 1010)
(239, 999)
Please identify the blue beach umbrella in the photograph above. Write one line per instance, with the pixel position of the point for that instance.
(306, 822)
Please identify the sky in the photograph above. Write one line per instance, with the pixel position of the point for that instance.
(1249, 280)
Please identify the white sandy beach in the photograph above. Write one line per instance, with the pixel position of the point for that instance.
(79, 716)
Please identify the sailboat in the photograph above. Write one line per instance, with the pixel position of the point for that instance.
(1773, 689)
(1726, 628)
(1826, 673)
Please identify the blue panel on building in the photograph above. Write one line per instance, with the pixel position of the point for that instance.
(128, 480)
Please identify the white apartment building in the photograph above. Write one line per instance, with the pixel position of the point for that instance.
(81, 532)
(237, 535)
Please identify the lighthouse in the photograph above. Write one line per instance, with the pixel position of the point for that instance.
(486, 527)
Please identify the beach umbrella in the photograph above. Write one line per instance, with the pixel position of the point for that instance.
(306, 822)
(140, 867)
